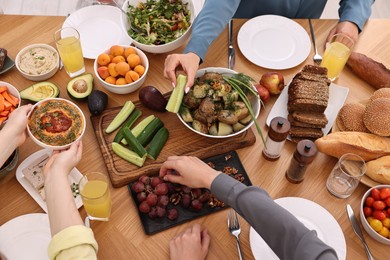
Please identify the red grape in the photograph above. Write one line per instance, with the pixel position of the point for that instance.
(144, 207)
(144, 179)
(160, 212)
(151, 199)
(161, 189)
(141, 196)
(153, 212)
(173, 214)
(154, 181)
(138, 187)
(196, 205)
(186, 200)
(163, 201)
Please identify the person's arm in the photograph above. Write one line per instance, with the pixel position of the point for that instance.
(206, 27)
(353, 16)
(283, 232)
(287, 237)
(14, 132)
(71, 239)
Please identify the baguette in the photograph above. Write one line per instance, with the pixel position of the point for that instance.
(379, 169)
(369, 70)
(368, 146)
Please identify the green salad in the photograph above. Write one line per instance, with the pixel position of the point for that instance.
(160, 22)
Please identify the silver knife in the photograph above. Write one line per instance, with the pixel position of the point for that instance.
(231, 52)
(358, 231)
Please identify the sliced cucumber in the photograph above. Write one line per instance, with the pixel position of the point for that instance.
(177, 95)
(134, 144)
(133, 117)
(128, 155)
(157, 143)
(150, 130)
(121, 116)
(140, 127)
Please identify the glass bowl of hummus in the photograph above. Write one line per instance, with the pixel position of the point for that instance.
(55, 123)
(37, 62)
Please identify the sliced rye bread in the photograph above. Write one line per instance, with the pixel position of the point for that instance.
(304, 132)
(308, 105)
(304, 89)
(310, 118)
(315, 69)
(312, 77)
(303, 124)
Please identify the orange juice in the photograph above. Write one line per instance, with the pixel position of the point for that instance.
(71, 54)
(335, 57)
(96, 199)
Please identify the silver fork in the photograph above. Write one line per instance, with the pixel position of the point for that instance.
(234, 228)
(317, 58)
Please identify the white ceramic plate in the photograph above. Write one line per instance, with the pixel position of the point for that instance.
(274, 42)
(99, 27)
(26, 237)
(314, 217)
(337, 96)
(74, 177)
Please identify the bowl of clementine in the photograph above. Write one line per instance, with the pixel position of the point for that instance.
(121, 69)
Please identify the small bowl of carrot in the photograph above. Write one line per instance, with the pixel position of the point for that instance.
(9, 101)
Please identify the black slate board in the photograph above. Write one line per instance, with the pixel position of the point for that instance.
(152, 226)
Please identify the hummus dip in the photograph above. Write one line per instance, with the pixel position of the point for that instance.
(38, 61)
(56, 122)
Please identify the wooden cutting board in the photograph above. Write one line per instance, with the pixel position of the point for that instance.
(181, 141)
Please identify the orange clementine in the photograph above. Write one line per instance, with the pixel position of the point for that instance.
(129, 51)
(117, 50)
(121, 81)
(118, 59)
(103, 59)
(111, 80)
(122, 68)
(112, 70)
(139, 69)
(133, 60)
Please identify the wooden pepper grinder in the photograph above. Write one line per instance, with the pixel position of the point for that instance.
(304, 154)
(277, 134)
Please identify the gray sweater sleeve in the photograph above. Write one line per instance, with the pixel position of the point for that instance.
(284, 233)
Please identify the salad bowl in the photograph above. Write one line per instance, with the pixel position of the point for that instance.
(175, 37)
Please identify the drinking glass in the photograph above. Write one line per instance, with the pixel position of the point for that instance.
(336, 54)
(346, 175)
(95, 193)
(69, 47)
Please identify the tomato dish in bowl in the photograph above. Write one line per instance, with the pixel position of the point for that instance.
(56, 123)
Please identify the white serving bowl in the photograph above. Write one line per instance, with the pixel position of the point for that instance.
(375, 235)
(163, 48)
(52, 67)
(255, 102)
(128, 88)
(55, 147)
(13, 91)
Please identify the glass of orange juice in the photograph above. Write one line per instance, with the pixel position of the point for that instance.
(95, 193)
(69, 47)
(336, 54)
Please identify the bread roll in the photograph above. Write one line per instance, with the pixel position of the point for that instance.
(379, 170)
(380, 93)
(377, 116)
(350, 118)
(368, 146)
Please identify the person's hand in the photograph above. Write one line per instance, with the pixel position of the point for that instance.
(188, 171)
(17, 124)
(193, 244)
(189, 62)
(62, 162)
(348, 28)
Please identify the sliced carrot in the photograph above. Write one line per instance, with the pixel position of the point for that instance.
(3, 88)
(2, 119)
(1, 103)
(7, 105)
(5, 113)
(16, 100)
(9, 99)
(12, 109)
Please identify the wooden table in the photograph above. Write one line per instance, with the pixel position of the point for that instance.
(123, 237)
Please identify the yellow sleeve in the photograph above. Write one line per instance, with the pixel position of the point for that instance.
(75, 242)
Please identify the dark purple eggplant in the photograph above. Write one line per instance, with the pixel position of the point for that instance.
(152, 98)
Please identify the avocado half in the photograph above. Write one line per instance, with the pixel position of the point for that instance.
(40, 91)
(80, 87)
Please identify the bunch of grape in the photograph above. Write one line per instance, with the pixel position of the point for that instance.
(157, 198)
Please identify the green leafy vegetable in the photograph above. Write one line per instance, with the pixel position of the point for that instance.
(160, 21)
